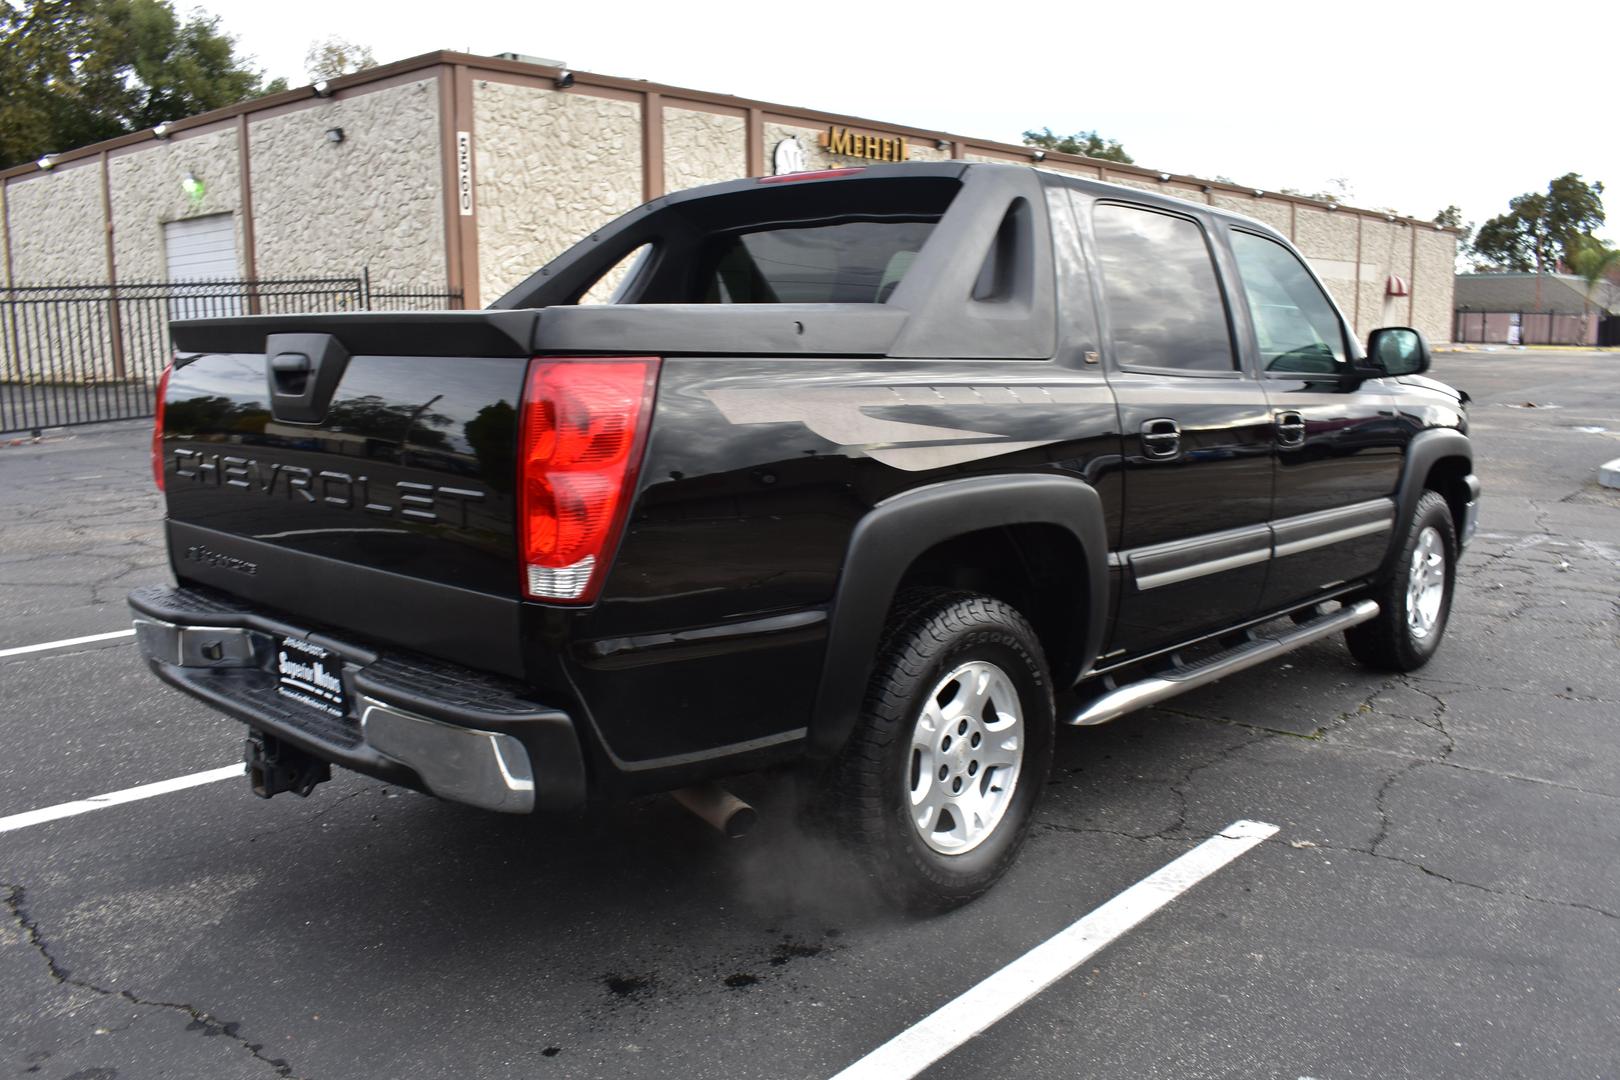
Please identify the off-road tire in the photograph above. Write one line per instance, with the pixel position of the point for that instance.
(866, 797)
(1389, 641)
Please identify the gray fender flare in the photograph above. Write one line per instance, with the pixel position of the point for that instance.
(894, 533)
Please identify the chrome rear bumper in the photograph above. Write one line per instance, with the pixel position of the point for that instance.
(412, 721)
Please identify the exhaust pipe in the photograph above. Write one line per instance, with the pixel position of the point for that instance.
(719, 807)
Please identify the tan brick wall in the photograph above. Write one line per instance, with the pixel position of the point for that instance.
(1327, 239)
(1273, 212)
(1385, 249)
(57, 226)
(374, 200)
(703, 148)
(1066, 168)
(927, 152)
(1140, 183)
(550, 166)
(1434, 283)
(145, 191)
(1191, 192)
(815, 155)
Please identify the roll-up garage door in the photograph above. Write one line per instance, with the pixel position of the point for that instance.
(203, 249)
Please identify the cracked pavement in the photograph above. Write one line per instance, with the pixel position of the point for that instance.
(1443, 898)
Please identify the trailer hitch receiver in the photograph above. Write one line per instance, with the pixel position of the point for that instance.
(273, 767)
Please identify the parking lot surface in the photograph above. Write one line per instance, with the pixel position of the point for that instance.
(1441, 898)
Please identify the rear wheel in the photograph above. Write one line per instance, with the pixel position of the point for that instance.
(936, 788)
(1415, 600)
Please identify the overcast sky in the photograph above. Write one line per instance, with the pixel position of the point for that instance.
(1414, 104)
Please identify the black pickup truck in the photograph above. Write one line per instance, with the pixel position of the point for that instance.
(873, 476)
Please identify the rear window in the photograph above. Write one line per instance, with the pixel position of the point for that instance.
(848, 262)
(848, 241)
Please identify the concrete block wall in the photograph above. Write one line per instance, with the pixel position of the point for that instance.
(703, 147)
(57, 226)
(550, 167)
(374, 200)
(145, 191)
(547, 165)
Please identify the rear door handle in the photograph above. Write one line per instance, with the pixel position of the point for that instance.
(1161, 438)
(1290, 429)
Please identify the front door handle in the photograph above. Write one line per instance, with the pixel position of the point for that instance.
(1290, 429)
(1161, 438)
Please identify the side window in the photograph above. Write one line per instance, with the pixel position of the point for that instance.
(1297, 327)
(1159, 286)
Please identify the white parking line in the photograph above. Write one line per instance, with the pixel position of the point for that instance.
(116, 798)
(954, 1023)
(65, 643)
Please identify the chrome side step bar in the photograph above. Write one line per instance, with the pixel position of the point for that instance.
(1257, 650)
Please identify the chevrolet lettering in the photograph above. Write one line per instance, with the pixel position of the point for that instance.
(348, 491)
(867, 481)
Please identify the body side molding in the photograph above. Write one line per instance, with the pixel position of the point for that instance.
(1307, 532)
(1212, 553)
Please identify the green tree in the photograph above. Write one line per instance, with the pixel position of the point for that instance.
(334, 56)
(1087, 143)
(1594, 262)
(1452, 217)
(1541, 228)
(76, 71)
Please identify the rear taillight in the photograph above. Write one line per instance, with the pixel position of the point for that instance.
(584, 426)
(157, 426)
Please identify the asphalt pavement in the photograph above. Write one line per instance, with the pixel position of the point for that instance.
(1442, 898)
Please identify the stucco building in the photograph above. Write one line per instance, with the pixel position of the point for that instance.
(459, 173)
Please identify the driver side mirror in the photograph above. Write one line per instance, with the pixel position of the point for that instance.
(1398, 350)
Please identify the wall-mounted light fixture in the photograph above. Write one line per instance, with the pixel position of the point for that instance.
(941, 144)
(1259, 193)
(1164, 178)
(1205, 188)
(322, 89)
(193, 188)
(1039, 155)
(334, 135)
(1332, 206)
(163, 129)
(565, 79)
(1389, 218)
(47, 162)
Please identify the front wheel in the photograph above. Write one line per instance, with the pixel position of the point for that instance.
(1415, 600)
(936, 788)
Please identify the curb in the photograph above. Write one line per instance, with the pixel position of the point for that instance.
(1503, 348)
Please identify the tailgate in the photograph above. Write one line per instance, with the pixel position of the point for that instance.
(309, 469)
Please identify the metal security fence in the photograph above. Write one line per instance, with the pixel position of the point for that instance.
(1523, 328)
(78, 354)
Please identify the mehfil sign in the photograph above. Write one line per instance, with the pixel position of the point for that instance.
(849, 143)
